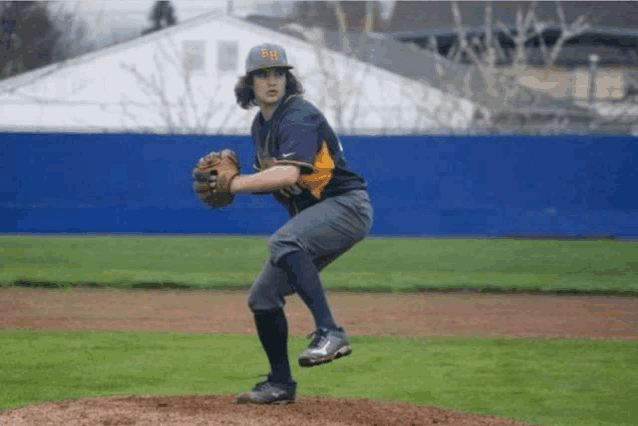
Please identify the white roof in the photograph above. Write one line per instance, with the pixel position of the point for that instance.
(376, 97)
(218, 15)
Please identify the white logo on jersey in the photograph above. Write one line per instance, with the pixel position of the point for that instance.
(287, 155)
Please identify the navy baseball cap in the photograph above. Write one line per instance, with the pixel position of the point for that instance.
(266, 56)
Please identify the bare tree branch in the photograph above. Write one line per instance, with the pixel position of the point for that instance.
(433, 44)
(487, 18)
(175, 101)
(462, 36)
(367, 29)
(451, 54)
(124, 105)
(567, 31)
(316, 37)
(461, 40)
(357, 94)
(343, 28)
(151, 88)
(525, 30)
(539, 28)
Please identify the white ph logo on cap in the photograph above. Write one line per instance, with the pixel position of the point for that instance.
(266, 56)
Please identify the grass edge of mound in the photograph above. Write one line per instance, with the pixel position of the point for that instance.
(39, 284)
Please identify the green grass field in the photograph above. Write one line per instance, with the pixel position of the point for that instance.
(548, 382)
(544, 382)
(373, 265)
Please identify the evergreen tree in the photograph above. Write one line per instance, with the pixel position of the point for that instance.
(162, 15)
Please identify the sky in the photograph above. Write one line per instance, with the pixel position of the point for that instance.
(184, 9)
(138, 10)
(126, 18)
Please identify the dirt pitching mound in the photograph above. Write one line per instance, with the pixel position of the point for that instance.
(191, 410)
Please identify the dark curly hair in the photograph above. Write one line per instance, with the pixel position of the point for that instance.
(246, 96)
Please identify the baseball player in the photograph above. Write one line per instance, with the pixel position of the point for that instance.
(300, 160)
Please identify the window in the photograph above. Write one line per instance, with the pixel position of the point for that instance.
(227, 53)
(194, 55)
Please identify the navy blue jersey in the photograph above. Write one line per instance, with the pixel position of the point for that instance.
(298, 134)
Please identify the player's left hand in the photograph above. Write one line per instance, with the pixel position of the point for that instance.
(213, 175)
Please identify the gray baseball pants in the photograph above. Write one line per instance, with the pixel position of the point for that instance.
(325, 231)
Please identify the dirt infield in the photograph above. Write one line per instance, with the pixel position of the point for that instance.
(420, 315)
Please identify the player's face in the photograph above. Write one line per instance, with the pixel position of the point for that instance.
(269, 85)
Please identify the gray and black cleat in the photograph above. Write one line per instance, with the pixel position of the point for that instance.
(326, 345)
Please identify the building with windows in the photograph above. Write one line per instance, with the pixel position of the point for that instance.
(180, 80)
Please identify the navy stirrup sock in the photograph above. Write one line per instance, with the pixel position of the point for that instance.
(272, 328)
(304, 277)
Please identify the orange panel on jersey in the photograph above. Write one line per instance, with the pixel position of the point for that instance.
(324, 165)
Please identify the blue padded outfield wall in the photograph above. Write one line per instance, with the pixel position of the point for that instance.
(482, 186)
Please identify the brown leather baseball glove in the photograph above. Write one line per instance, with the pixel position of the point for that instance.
(212, 177)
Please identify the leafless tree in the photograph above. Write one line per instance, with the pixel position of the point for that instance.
(343, 78)
(343, 27)
(567, 31)
(339, 88)
(183, 113)
(502, 93)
